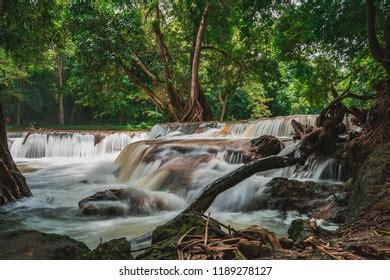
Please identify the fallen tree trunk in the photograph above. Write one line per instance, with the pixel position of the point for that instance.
(212, 190)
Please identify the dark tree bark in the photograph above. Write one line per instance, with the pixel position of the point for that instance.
(379, 53)
(73, 113)
(223, 101)
(59, 62)
(13, 185)
(2, 7)
(212, 190)
(198, 108)
(18, 113)
(163, 91)
(175, 98)
(121, 116)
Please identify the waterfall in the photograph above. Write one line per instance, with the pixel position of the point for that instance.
(278, 126)
(66, 144)
(185, 166)
(160, 173)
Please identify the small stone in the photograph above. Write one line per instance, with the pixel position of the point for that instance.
(267, 145)
(250, 249)
(286, 243)
(341, 197)
(266, 251)
(300, 230)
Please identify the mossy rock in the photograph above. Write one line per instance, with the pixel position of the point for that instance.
(164, 250)
(165, 237)
(116, 249)
(300, 230)
(179, 226)
(35, 245)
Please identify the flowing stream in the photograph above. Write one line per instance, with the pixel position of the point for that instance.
(162, 171)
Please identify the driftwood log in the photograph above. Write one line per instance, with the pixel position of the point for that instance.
(212, 190)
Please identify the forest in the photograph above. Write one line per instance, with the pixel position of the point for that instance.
(152, 114)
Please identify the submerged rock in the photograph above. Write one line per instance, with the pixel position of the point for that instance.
(103, 203)
(35, 245)
(317, 200)
(119, 202)
(267, 145)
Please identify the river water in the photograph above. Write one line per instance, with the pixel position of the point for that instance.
(163, 169)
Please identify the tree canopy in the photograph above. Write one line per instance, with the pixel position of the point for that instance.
(170, 60)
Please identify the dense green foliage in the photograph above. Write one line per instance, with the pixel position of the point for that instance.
(131, 62)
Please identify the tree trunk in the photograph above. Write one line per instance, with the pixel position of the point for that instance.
(121, 115)
(18, 113)
(73, 113)
(223, 102)
(380, 54)
(174, 98)
(198, 109)
(212, 190)
(13, 185)
(2, 8)
(61, 108)
(59, 61)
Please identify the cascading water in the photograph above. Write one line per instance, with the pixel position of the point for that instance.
(160, 173)
(41, 145)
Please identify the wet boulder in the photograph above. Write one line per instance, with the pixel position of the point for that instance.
(120, 202)
(292, 195)
(107, 203)
(267, 145)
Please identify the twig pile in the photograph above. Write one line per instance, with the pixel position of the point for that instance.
(201, 247)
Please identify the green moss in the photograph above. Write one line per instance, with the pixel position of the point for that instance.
(165, 237)
(179, 226)
(116, 249)
(164, 250)
(298, 230)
